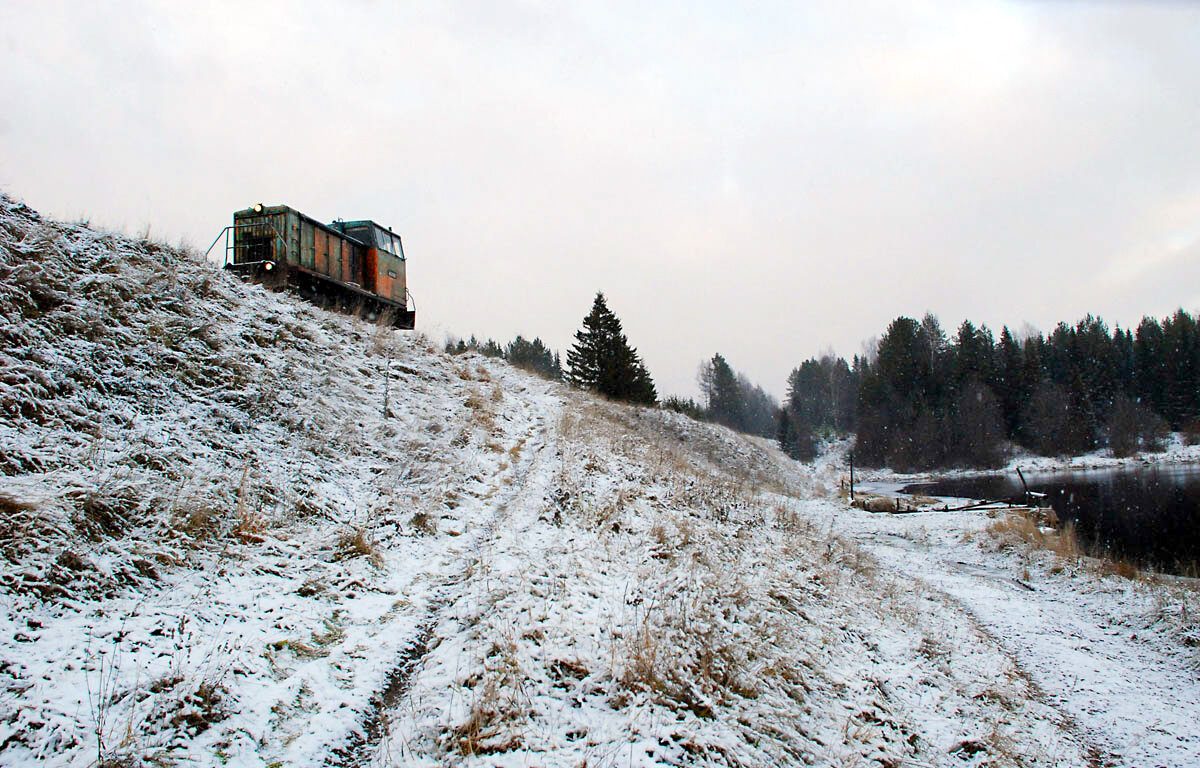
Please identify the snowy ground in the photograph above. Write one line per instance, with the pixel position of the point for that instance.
(240, 530)
(1118, 656)
(217, 543)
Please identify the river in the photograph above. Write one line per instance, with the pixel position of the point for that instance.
(1148, 514)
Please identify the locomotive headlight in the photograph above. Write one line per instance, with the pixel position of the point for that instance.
(258, 207)
(269, 266)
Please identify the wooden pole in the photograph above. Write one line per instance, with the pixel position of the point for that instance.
(1025, 486)
(852, 476)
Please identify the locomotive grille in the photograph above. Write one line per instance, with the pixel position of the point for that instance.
(254, 240)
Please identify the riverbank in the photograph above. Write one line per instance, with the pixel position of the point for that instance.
(1137, 513)
(1114, 653)
(1116, 656)
(885, 480)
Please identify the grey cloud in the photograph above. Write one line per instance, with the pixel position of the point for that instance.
(762, 183)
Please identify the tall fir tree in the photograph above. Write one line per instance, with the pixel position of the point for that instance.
(602, 360)
(1007, 382)
(720, 387)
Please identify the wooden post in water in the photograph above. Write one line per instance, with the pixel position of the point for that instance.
(1025, 486)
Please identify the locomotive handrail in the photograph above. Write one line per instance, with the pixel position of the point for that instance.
(225, 233)
(220, 234)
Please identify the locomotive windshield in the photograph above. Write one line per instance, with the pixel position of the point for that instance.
(371, 234)
(389, 242)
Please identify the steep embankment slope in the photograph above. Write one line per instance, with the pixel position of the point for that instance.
(216, 543)
(240, 530)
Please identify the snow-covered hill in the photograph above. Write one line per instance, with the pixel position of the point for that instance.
(240, 530)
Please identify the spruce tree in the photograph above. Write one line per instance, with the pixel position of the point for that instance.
(602, 360)
(1006, 380)
(720, 387)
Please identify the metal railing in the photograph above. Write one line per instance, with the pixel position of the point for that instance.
(230, 234)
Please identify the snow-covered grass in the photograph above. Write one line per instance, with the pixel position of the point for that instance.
(650, 606)
(1116, 655)
(240, 530)
(216, 542)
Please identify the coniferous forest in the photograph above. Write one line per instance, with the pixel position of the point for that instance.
(921, 398)
(924, 399)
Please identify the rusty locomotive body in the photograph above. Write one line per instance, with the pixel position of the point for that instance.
(354, 264)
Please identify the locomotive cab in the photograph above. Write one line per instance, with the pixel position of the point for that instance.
(383, 271)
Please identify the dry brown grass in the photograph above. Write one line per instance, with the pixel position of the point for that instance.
(198, 519)
(1027, 529)
(482, 414)
(873, 503)
(251, 522)
(357, 541)
(382, 340)
(1015, 529)
(680, 653)
(499, 707)
(424, 524)
(1065, 542)
(12, 508)
(1118, 566)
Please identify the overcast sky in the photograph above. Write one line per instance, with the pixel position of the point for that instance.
(766, 180)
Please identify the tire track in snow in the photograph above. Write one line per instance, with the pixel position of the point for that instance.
(1096, 746)
(365, 741)
(1098, 755)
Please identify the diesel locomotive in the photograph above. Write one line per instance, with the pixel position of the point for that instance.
(357, 265)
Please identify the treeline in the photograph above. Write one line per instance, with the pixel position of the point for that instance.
(921, 399)
(821, 397)
(600, 360)
(729, 398)
(532, 356)
(924, 400)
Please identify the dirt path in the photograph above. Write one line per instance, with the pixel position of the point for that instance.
(509, 492)
(1091, 645)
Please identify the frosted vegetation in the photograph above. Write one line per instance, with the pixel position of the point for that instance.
(240, 530)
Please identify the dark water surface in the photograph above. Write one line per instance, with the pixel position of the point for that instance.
(1150, 514)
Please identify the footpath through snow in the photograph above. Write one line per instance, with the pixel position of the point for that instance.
(239, 530)
(1118, 655)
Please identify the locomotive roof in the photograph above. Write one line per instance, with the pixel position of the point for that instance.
(364, 223)
(338, 230)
